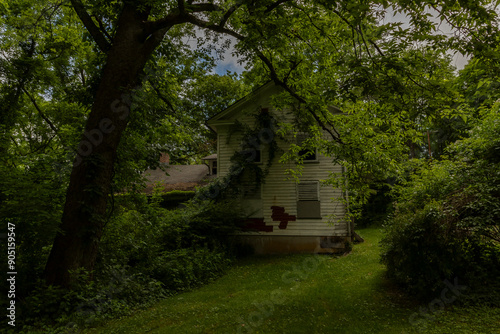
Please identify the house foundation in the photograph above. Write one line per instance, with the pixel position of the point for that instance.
(275, 244)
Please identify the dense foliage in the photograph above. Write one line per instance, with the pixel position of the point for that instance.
(147, 253)
(446, 220)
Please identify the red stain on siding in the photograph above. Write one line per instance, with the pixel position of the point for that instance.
(281, 216)
(257, 224)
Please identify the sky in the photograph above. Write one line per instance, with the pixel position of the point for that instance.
(459, 60)
(230, 62)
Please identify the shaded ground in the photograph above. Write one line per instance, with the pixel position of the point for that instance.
(304, 294)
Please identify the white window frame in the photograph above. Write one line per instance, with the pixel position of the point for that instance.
(308, 200)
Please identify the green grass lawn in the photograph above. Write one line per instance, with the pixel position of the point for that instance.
(304, 294)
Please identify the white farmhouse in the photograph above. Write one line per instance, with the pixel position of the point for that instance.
(285, 216)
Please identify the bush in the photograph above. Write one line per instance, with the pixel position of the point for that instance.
(185, 269)
(31, 198)
(446, 221)
(173, 199)
(113, 293)
(180, 248)
(146, 252)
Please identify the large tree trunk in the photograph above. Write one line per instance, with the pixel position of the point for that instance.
(76, 245)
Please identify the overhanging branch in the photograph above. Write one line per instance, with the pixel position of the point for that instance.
(273, 73)
(178, 16)
(87, 21)
(274, 5)
(40, 112)
(229, 12)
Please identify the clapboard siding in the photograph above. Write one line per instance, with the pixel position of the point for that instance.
(280, 189)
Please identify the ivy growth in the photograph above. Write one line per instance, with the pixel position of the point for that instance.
(254, 140)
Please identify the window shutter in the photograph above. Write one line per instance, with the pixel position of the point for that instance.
(308, 204)
(308, 191)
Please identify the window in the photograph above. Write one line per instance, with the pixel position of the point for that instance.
(307, 153)
(308, 200)
(251, 190)
(252, 155)
(251, 195)
(214, 167)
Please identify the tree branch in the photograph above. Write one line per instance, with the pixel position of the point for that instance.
(87, 21)
(323, 32)
(178, 16)
(458, 27)
(273, 73)
(162, 97)
(292, 68)
(165, 23)
(274, 5)
(229, 12)
(380, 52)
(102, 28)
(40, 112)
(214, 27)
(155, 39)
(364, 40)
(180, 5)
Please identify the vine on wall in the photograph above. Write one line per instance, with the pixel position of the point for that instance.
(259, 138)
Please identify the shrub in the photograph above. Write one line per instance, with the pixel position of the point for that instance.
(146, 252)
(446, 221)
(185, 269)
(113, 293)
(176, 247)
(173, 199)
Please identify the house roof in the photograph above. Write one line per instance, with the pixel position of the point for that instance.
(210, 157)
(268, 88)
(180, 177)
(225, 117)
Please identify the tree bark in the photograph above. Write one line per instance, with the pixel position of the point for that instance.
(76, 245)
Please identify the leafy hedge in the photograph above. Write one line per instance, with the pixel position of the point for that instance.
(446, 220)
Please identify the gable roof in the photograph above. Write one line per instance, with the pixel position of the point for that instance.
(177, 174)
(210, 157)
(263, 92)
(182, 177)
(224, 116)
